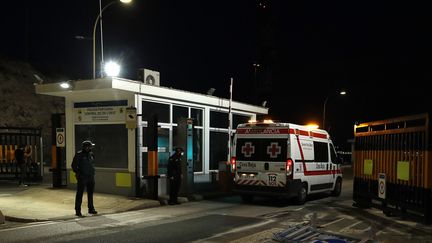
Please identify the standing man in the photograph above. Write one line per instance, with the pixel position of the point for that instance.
(20, 160)
(83, 166)
(175, 175)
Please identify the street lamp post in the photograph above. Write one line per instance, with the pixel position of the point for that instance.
(325, 104)
(99, 17)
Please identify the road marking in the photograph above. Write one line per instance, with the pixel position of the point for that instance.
(332, 222)
(350, 226)
(239, 229)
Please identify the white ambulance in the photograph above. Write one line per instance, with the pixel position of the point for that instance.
(284, 159)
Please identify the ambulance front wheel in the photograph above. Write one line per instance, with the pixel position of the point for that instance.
(302, 194)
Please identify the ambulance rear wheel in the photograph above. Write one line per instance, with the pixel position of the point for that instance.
(247, 198)
(302, 194)
(337, 189)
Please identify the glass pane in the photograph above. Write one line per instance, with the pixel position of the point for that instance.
(197, 115)
(238, 119)
(179, 112)
(218, 119)
(321, 152)
(218, 149)
(161, 110)
(163, 148)
(197, 150)
(260, 149)
(109, 153)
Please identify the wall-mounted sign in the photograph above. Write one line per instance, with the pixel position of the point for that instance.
(131, 118)
(382, 185)
(60, 137)
(100, 111)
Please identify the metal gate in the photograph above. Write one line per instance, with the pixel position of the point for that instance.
(10, 139)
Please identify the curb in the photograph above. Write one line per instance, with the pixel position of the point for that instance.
(23, 220)
(27, 220)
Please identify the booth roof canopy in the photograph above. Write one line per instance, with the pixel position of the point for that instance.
(79, 90)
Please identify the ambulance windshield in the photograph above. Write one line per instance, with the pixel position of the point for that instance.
(261, 149)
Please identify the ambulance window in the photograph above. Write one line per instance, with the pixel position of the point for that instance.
(258, 149)
(333, 154)
(321, 152)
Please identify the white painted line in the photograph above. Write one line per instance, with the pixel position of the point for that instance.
(247, 227)
(335, 221)
(350, 226)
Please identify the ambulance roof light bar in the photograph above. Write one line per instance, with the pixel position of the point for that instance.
(265, 121)
(311, 127)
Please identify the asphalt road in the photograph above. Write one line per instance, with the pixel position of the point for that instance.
(225, 219)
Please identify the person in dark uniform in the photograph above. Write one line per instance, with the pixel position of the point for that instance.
(174, 175)
(83, 166)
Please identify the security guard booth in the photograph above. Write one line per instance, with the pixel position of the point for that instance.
(114, 114)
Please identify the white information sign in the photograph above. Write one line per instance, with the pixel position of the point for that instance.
(382, 185)
(60, 137)
(106, 111)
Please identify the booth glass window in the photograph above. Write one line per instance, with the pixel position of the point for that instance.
(218, 148)
(108, 152)
(197, 115)
(163, 150)
(179, 112)
(197, 146)
(239, 119)
(161, 110)
(198, 149)
(218, 119)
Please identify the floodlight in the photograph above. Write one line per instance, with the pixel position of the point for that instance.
(112, 69)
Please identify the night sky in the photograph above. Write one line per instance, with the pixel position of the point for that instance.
(380, 52)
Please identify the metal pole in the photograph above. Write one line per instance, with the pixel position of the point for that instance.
(324, 112)
(101, 34)
(230, 122)
(94, 35)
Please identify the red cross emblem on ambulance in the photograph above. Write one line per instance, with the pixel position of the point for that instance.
(248, 149)
(274, 150)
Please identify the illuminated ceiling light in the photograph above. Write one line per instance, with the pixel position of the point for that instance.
(65, 85)
(343, 92)
(126, 1)
(112, 69)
